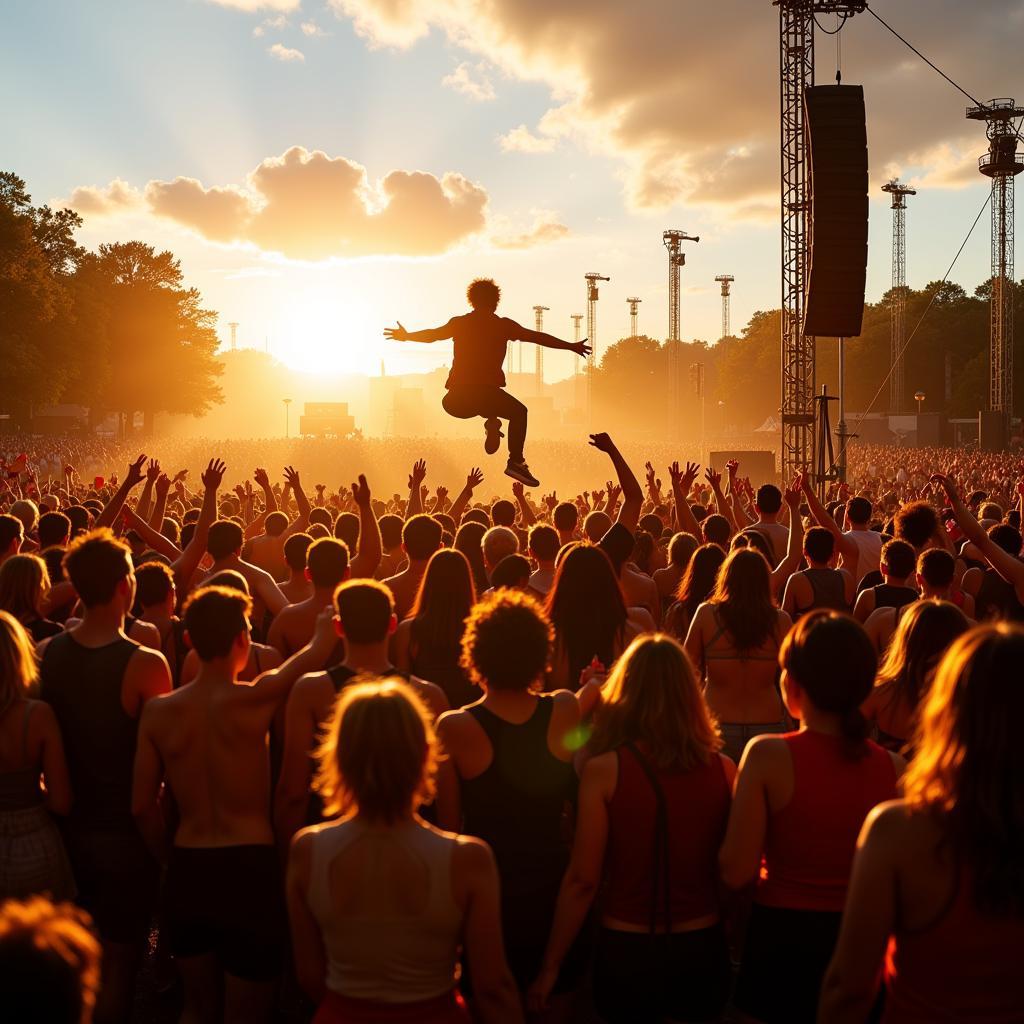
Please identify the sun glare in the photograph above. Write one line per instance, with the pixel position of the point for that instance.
(325, 333)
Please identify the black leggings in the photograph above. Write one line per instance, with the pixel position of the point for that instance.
(491, 403)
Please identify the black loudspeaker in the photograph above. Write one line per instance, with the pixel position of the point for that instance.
(931, 430)
(991, 431)
(838, 219)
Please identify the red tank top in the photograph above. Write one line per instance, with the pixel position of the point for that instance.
(810, 842)
(697, 806)
(965, 967)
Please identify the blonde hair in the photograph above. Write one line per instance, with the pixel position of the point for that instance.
(378, 753)
(24, 582)
(653, 697)
(18, 670)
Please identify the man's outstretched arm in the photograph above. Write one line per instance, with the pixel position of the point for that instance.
(581, 348)
(399, 333)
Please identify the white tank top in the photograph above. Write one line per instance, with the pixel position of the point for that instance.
(869, 544)
(374, 956)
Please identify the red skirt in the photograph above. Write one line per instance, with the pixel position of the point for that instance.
(339, 1009)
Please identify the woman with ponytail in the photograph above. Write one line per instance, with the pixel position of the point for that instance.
(799, 804)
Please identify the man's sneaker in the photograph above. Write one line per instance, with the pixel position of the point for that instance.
(521, 471)
(494, 435)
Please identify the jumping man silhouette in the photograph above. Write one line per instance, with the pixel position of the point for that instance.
(476, 384)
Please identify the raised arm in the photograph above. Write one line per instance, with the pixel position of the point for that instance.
(163, 485)
(846, 546)
(714, 479)
(794, 549)
(473, 480)
(300, 522)
(156, 540)
(190, 558)
(365, 563)
(432, 334)
(416, 478)
(632, 495)
(146, 497)
(682, 481)
(275, 684)
(519, 493)
(113, 507)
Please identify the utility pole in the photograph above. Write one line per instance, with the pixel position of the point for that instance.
(898, 294)
(538, 366)
(592, 295)
(672, 240)
(634, 304)
(234, 335)
(725, 280)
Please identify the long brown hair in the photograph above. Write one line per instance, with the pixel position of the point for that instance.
(699, 579)
(969, 768)
(24, 582)
(743, 599)
(653, 698)
(17, 662)
(442, 606)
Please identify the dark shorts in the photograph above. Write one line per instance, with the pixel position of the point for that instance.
(117, 881)
(785, 957)
(227, 900)
(639, 978)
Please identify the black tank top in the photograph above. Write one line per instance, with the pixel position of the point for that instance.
(888, 596)
(828, 588)
(83, 686)
(997, 599)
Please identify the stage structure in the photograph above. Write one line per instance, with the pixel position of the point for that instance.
(634, 305)
(538, 366)
(234, 335)
(725, 280)
(796, 73)
(1002, 164)
(673, 240)
(592, 296)
(898, 294)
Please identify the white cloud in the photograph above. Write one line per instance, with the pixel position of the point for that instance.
(252, 6)
(285, 53)
(471, 80)
(311, 28)
(522, 140)
(546, 227)
(116, 197)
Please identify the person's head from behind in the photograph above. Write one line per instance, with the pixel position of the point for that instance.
(596, 525)
(327, 563)
(346, 529)
(565, 517)
(585, 585)
(379, 753)
(898, 560)
(544, 544)
(858, 511)
(100, 569)
(421, 537)
(512, 572)
(224, 540)
(27, 511)
(390, 531)
(477, 515)
(275, 524)
(754, 539)
(1006, 537)
(923, 635)
(217, 625)
(364, 612)
(990, 512)
(743, 599)
(447, 585)
(916, 524)
(936, 568)
(499, 542)
(230, 578)
(701, 574)
(154, 587)
(18, 670)
(12, 534)
(680, 550)
(819, 546)
(49, 962)
(507, 642)
(24, 583)
(768, 500)
(503, 513)
(716, 530)
(295, 548)
(969, 761)
(653, 698)
(80, 519)
(483, 295)
(828, 666)
(54, 530)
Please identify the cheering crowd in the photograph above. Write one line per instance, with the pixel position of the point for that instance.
(690, 749)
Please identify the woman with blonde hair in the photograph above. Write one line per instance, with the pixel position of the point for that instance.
(653, 806)
(936, 900)
(24, 586)
(923, 635)
(379, 901)
(32, 857)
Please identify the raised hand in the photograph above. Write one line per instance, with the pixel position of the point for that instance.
(214, 474)
(614, 491)
(179, 477)
(361, 492)
(581, 348)
(518, 491)
(794, 492)
(153, 471)
(135, 473)
(418, 474)
(551, 500)
(398, 333)
(291, 478)
(713, 477)
(163, 485)
(597, 496)
(442, 496)
(262, 478)
(474, 478)
(602, 442)
(240, 492)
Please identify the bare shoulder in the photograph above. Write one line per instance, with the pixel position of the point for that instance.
(455, 723)
(432, 694)
(146, 659)
(765, 753)
(785, 623)
(472, 856)
(602, 771)
(310, 686)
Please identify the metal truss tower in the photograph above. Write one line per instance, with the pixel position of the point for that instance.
(538, 366)
(725, 280)
(672, 240)
(634, 305)
(898, 294)
(234, 335)
(592, 295)
(1002, 164)
(796, 73)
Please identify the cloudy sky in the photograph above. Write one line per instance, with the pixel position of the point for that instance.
(323, 168)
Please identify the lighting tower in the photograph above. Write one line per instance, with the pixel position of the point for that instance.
(234, 336)
(725, 280)
(672, 240)
(634, 303)
(898, 295)
(576, 318)
(1002, 164)
(796, 73)
(538, 366)
(592, 278)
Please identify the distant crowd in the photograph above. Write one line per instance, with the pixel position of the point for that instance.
(673, 745)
